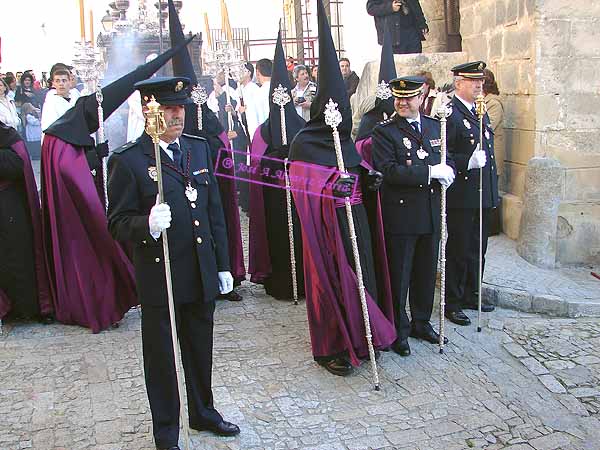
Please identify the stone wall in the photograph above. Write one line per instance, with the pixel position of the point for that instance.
(434, 14)
(568, 118)
(546, 57)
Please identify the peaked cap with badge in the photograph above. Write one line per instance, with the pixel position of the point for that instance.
(472, 70)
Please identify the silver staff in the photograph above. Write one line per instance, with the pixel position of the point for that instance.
(282, 98)
(443, 114)
(333, 118)
(199, 97)
(101, 140)
(155, 127)
(481, 110)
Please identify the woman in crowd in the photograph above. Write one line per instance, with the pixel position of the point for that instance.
(303, 92)
(8, 110)
(495, 110)
(33, 129)
(26, 93)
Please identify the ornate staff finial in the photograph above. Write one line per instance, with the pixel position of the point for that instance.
(444, 111)
(199, 97)
(282, 98)
(333, 116)
(383, 91)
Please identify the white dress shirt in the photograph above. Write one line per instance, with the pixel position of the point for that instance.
(251, 95)
(262, 104)
(55, 106)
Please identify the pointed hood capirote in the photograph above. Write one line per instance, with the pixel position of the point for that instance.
(314, 143)
(183, 67)
(387, 72)
(271, 129)
(76, 125)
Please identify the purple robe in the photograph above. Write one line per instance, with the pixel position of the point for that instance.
(364, 147)
(41, 271)
(93, 280)
(332, 299)
(232, 218)
(259, 261)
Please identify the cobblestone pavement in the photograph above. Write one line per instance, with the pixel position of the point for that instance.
(524, 382)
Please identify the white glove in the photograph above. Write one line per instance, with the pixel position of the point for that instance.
(478, 159)
(443, 173)
(159, 219)
(225, 282)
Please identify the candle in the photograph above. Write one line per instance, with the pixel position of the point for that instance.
(92, 27)
(81, 20)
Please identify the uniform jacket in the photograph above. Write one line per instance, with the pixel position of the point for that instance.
(411, 202)
(463, 137)
(197, 236)
(382, 11)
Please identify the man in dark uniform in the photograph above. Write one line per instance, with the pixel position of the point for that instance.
(406, 21)
(198, 249)
(406, 149)
(462, 268)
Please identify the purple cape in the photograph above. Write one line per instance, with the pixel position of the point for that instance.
(332, 299)
(364, 147)
(232, 217)
(259, 261)
(41, 270)
(93, 280)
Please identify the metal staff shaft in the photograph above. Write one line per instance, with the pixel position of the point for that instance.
(101, 140)
(480, 108)
(443, 114)
(227, 96)
(282, 98)
(333, 118)
(155, 127)
(290, 217)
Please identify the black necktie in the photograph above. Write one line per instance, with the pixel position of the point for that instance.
(174, 147)
(474, 111)
(415, 125)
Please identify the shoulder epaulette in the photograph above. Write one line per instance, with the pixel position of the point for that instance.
(125, 147)
(200, 138)
(385, 122)
(431, 117)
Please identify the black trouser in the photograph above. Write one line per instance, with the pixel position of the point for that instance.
(413, 264)
(195, 331)
(462, 255)
(17, 261)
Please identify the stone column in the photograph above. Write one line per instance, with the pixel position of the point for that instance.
(537, 236)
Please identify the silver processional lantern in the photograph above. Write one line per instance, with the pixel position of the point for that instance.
(226, 60)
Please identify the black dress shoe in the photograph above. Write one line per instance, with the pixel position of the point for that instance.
(401, 347)
(337, 366)
(222, 428)
(458, 317)
(426, 333)
(168, 448)
(232, 296)
(473, 305)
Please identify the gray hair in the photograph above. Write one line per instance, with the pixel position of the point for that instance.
(298, 68)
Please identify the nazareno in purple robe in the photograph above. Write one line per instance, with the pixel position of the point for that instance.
(93, 281)
(232, 217)
(41, 271)
(333, 303)
(259, 260)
